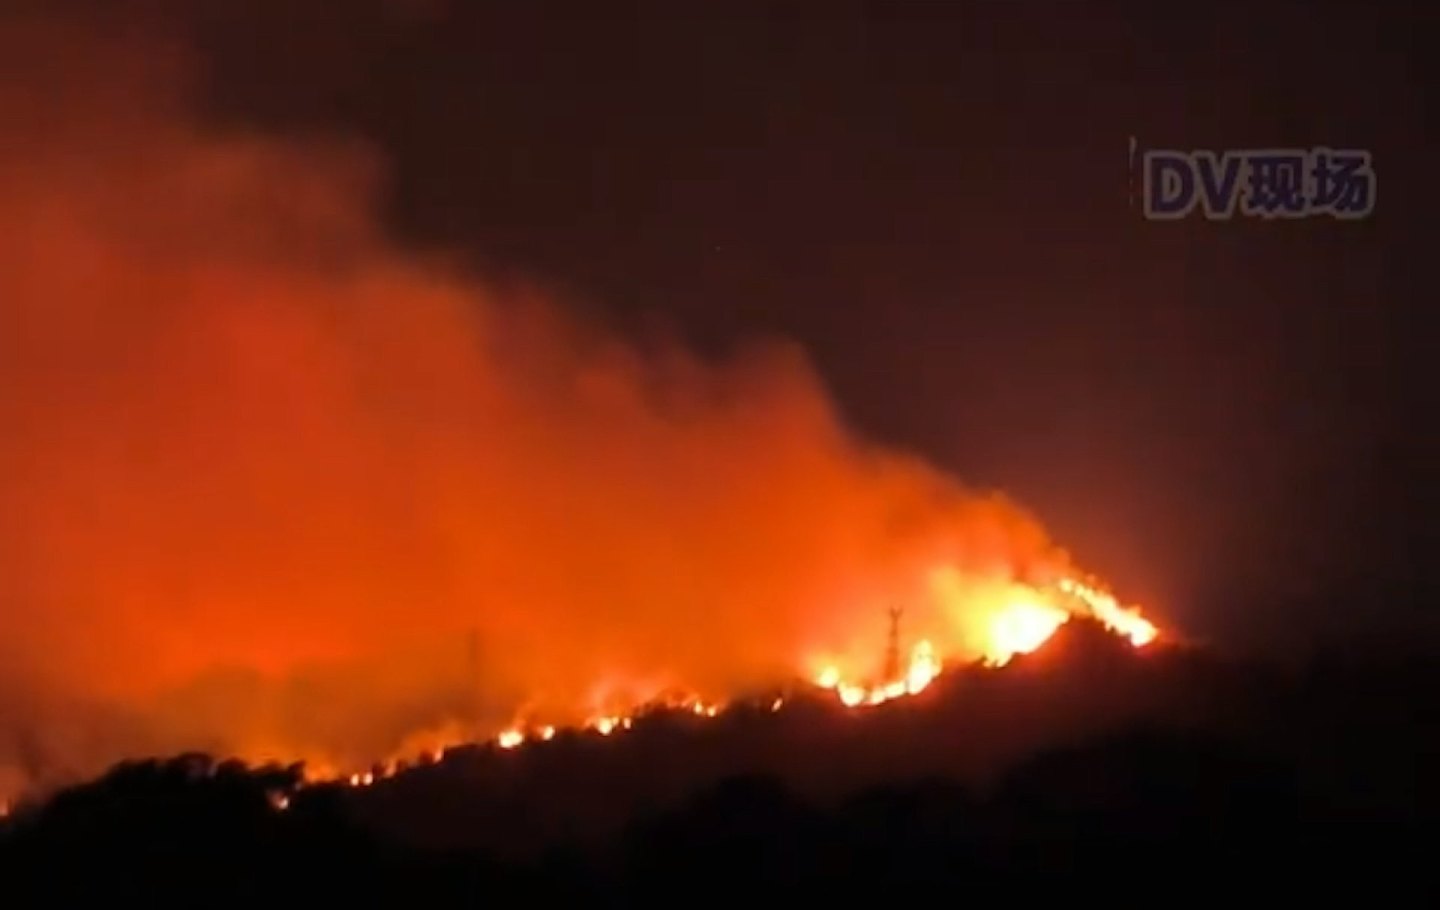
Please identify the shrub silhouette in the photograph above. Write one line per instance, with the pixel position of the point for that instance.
(1102, 775)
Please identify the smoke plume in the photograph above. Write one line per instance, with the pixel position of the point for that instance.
(271, 486)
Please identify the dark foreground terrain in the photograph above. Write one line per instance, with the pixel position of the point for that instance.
(1164, 776)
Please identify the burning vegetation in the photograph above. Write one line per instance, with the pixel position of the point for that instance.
(272, 486)
(1020, 627)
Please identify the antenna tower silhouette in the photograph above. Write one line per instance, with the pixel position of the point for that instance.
(892, 647)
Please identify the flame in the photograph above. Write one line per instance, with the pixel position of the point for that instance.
(608, 723)
(1024, 622)
(1021, 628)
(263, 472)
(1021, 625)
(1125, 621)
(922, 669)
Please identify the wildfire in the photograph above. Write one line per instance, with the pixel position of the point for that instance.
(1125, 621)
(348, 493)
(920, 671)
(606, 724)
(1020, 626)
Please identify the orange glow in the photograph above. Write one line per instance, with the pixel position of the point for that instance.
(1021, 628)
(273, 486)
(922, 669)
(1019, 622)
(1125, 621)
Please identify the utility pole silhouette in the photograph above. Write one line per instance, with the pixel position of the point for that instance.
(892, 648)
(472, 668)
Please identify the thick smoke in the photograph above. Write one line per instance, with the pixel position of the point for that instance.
(270, 486)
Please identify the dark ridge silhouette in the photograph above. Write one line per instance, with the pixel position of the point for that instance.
(1165, 773)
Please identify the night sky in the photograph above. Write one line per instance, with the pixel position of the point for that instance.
(1230, 421)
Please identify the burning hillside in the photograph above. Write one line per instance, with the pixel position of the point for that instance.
(271, 486)
(1020, 627)
(527, 786)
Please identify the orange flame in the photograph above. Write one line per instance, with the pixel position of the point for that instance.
(1125, 621)
(261, 467)
(1021, 625)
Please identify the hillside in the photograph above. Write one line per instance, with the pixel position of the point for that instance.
(1085, 763)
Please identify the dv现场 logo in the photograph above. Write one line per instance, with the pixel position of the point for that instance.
(1256, 183)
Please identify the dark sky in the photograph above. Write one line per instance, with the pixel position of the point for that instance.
(1229, 420)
